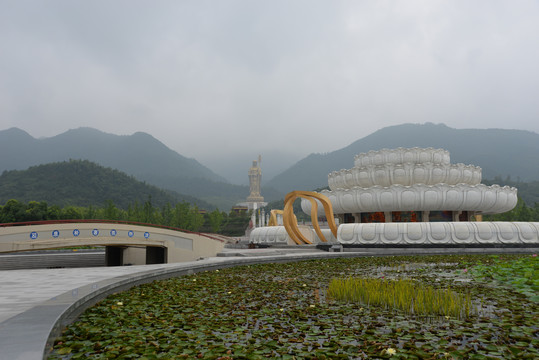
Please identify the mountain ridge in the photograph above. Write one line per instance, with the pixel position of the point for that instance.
(122, 152)
(499, 152)
(140, 155)
(494, 150)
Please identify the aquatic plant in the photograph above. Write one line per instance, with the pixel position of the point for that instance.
(264, 311)
(521, 274)
(410, 296)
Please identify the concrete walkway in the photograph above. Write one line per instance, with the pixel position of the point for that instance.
(21, 290)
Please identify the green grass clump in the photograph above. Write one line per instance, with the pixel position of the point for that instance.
(409, 296)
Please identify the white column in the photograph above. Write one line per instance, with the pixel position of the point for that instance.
(253, 216)
(263, 218)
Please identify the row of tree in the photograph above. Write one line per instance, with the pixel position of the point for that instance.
(181, 215)
(521, 212)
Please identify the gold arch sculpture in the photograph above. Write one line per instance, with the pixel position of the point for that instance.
(273, 217)
(290, 222)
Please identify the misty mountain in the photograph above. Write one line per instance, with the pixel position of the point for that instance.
(84, 183)
(498, 152)
(234, 166)
(139, 155)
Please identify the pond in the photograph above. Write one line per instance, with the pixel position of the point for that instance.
(282, 311)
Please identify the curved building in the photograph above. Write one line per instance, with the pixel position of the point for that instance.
(412, 185)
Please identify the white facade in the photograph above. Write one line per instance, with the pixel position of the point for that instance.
(446, 233)
(413, 179)
(419, 197)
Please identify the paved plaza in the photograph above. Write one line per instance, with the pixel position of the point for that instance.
(24, 289)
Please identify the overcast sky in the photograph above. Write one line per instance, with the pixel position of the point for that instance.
(213, 78)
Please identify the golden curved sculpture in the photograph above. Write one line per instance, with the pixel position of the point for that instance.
(290, 222)
(273, 217)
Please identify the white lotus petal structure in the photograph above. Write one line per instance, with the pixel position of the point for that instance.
(414, 179)
(405, 174)
(403, 156)
(439, 233)
(419, 197)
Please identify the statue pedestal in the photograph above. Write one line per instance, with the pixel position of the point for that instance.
(255, 199)
(253, 205)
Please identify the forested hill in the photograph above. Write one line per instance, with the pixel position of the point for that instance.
(84, 183)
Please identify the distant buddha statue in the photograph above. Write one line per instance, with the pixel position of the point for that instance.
(255, 176)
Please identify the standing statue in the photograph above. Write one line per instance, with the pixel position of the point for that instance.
(255, 177)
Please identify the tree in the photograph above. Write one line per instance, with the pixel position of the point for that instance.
(197, 219)
(134, 213)
(167, 214)
(523, 212)
(36, 211)
(182, 217)
(12, 211)
(216, 220)
(71, 213)
(111, 212)
(147, 211)
(53, 213)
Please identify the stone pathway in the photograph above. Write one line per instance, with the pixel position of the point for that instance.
(21, 290)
